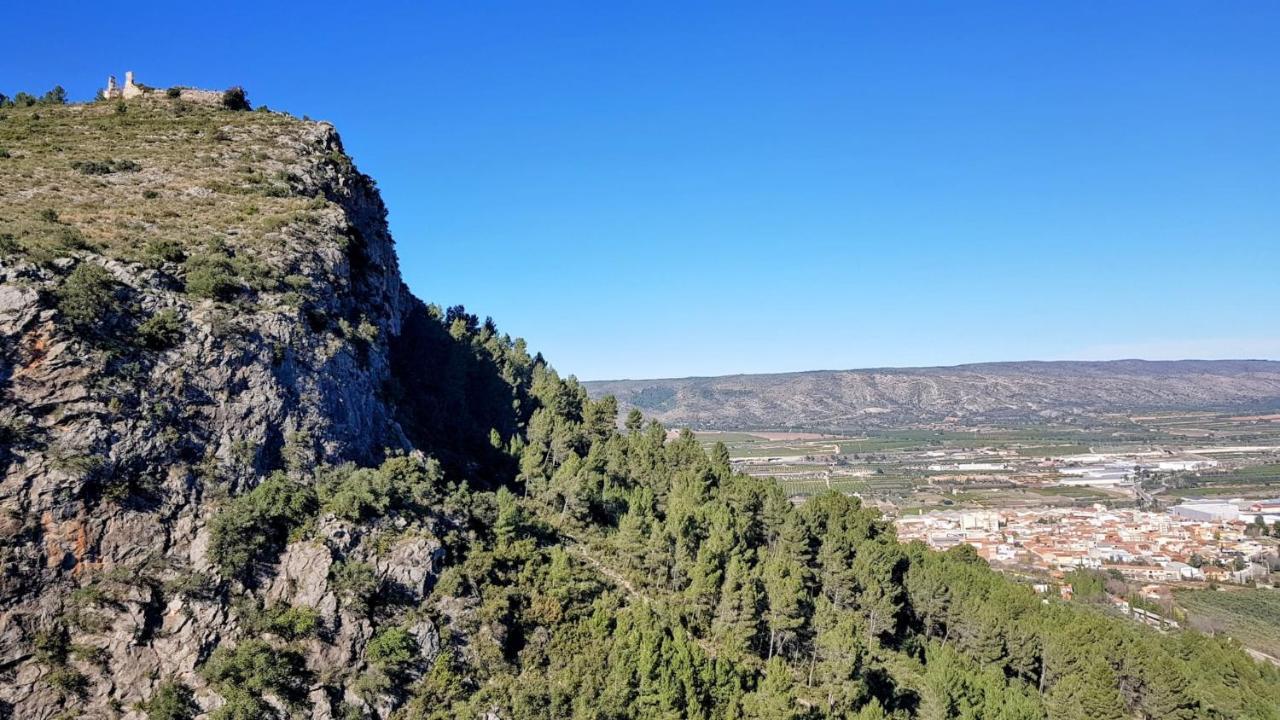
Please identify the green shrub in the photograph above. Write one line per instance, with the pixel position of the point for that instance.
(16, 434)
(163, 250)
(256, 668)
(160, 331)
(9, 245)
(173, 92)
(49, 215)
(355, 582)
(291, 622)
(235, 99)
(210, 277)
(104, 167)
(390, 654)
(86, 296)
(393, 649)
(401, 484)
(255, 526)
(91, 654)
(52, 645)
(358, 496)
(122, 487)
(68, 680)
(150, 194)
(69, 238)
(171, 701)
(92, 167)
(192, 584)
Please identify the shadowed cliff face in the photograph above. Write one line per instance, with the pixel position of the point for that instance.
(173, 328)
(992, 392)
(451, 398)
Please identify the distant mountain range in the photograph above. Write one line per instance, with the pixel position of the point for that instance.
(986, 392)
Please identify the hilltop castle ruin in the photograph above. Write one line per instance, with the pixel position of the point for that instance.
(130, 90)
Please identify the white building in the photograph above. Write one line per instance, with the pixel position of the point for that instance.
(1182, 571)
(1206, 512)
(989, 521)
(1176, 465)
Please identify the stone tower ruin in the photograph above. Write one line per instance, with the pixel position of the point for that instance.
(114, 91)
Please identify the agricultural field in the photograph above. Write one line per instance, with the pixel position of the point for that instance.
(1253, 481)
(1252, 616)
(1025, 465)
(1226, 428)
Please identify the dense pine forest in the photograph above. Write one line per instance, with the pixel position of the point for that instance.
(622, 575)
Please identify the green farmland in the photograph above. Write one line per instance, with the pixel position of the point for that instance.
(1250, 616)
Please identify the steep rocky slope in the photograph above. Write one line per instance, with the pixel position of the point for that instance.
(991, 392)
(190, 299)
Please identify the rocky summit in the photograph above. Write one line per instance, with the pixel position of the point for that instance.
(190, 299)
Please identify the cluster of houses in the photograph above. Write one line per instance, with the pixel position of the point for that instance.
(1192, 542)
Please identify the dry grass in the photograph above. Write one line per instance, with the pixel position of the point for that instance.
(121, 179)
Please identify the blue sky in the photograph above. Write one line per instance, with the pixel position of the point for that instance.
(654, 189)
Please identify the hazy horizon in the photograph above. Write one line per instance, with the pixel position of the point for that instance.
(925, 367)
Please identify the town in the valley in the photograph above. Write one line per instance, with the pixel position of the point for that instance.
(1154, 513)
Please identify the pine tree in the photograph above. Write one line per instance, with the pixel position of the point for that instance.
(510, 517)
(1165, 690)
(788, 604)
(837, 658)
(775, 698)
(878, 568)
(736, 626)
(1089, 694)
(720, 460)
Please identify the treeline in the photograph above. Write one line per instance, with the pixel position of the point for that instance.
(734, 603)
(56, 96)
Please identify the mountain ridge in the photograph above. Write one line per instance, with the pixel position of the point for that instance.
(989, 363)
(973, 392)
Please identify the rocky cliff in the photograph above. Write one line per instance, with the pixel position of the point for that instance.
(191, 299)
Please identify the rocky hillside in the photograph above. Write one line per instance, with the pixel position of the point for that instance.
(989, 392)
(192, 298)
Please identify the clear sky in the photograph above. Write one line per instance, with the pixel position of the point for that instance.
(664, 189)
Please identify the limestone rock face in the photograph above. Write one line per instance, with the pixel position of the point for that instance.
(113, 459)
(411, 565)
(302, 578)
